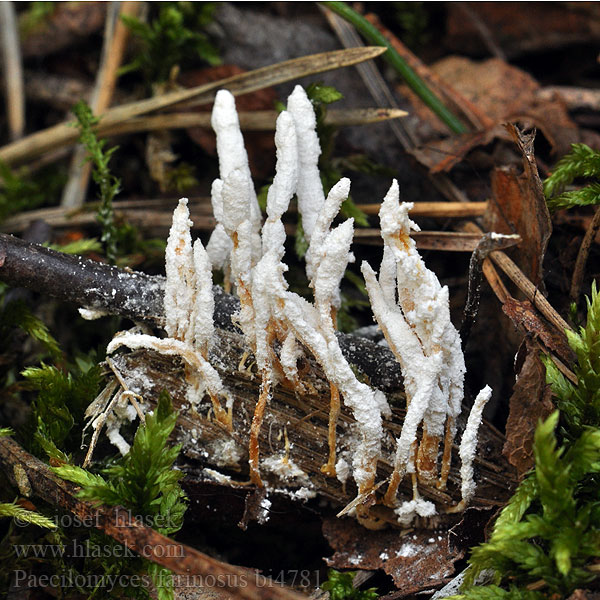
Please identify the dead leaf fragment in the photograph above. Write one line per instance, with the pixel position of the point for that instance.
(519, 207)
(530, 402)
(419, 560)
(518, 29)
(503, 93)
(69, 23)
(528, 320)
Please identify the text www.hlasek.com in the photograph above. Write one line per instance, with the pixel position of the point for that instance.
(88, 550)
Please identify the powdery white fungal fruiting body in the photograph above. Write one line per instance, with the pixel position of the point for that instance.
(468, 447)
(420, 334)
(408, 302)
(310, 190)
(189, 306)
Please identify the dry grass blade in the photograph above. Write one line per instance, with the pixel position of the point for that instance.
(446, 241)
(64, 133)
(370, 75)
(531, 291)
(13, 70)
(256, 120)
(445, 210)
(115, 37)
(524, 284)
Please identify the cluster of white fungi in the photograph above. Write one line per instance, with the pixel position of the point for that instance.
(409, 304)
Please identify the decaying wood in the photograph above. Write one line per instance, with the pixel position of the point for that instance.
(121, 526)
(301, 415)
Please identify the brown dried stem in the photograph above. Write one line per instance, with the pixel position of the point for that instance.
(115, 38)
(118, 524)
(13, 70)
(49, 139)
(582, 256)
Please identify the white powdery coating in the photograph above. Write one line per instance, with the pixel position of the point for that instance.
(387, 276)
(425, 306)
(303, 494)
(285, 469)
(398, 333)
(419, 403)
(226, 453)
(236, 201)
(216, 199)
(286, 170)
(262, 275)
(332, 266)
(367, 405)
(180, 274)
(118, 440)
(91, 314)
(230, 147)
(407, 512)
(172, 347)
(263, 514)
(283, 186)
(338, 193)
(219, 247)
(204, 305)
(241, 256)
(289, 355)
(342, 470)
(468, 443)
(310, 191)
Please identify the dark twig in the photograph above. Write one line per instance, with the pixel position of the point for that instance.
(582, 256)
(13, 70)
(138, 296)
(489, 242)
(487, 37)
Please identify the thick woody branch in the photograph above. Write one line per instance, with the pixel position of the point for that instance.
(138, 296)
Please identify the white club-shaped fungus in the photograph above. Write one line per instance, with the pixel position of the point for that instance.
(189, 304)
(407, 299)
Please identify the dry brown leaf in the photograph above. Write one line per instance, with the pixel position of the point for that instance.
(584, 595)
(70, 22)
(523, 28)
(526, 318)
(519, 207)
(503, 93)
(530, 402)
(416, 561)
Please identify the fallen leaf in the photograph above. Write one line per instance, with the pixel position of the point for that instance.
(519, 29)
(584, 595)
(519, 206)
(69, 23)
(419, 560)
(530, 402)
(528, 320)
(503, 93)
